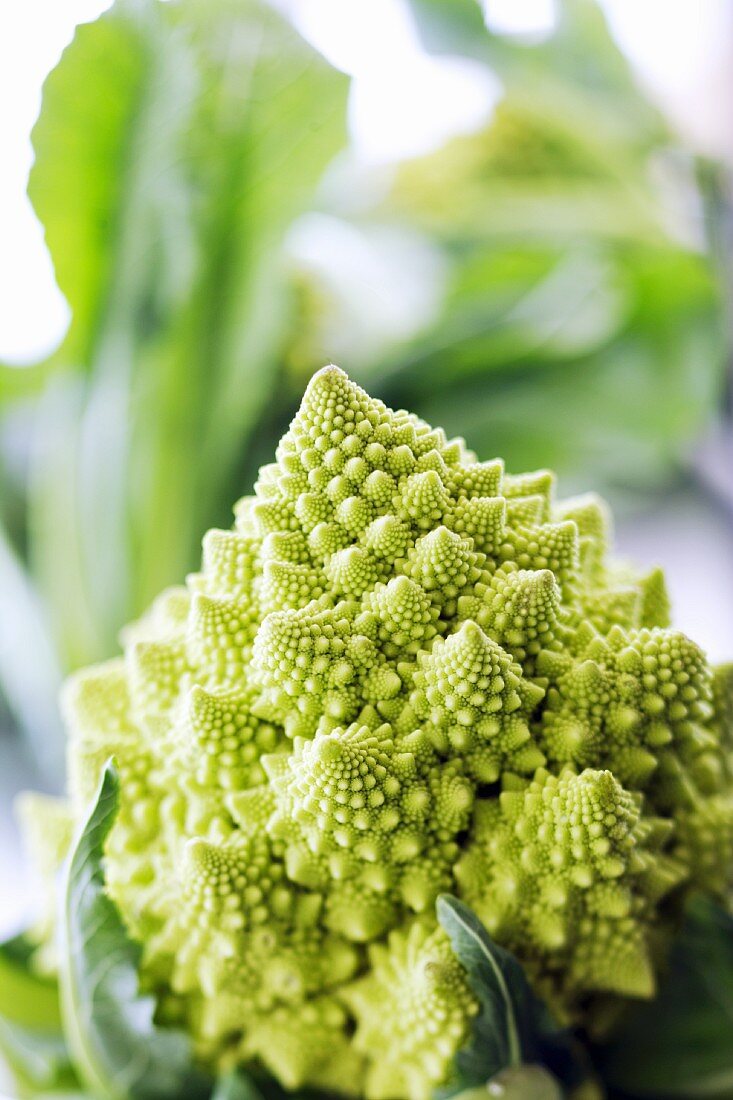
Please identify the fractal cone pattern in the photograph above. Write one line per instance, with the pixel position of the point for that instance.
(403, 672)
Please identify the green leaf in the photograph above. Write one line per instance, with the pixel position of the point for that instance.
(78, 179)
(166, 192)
(513, 1028)
(99, 185)
(502, 1032)
(27, 999)
(498, 981)
(680, 1046)
(118, 1050)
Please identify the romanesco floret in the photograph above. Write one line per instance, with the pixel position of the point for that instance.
(567, 872)
(403, 672)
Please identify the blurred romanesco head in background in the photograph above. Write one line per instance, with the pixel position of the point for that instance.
(403, 672)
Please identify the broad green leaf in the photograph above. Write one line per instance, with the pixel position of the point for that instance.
(499, 983)
(27, 999)
(513, 1028)
(102, 188)
(680, 1046)
(117, 1049)
(78, 180)
(165, 195)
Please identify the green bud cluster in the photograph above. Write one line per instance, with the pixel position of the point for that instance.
(402, 672)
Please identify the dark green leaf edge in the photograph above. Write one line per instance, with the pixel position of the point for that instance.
(498, 982)
(513, 1027)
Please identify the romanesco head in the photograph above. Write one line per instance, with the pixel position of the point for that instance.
(402, 672)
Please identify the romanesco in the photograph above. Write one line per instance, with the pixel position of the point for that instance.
(403, 672)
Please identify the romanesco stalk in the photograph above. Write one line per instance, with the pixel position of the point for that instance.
(403, 672)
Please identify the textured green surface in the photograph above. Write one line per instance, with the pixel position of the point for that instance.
(404, 672)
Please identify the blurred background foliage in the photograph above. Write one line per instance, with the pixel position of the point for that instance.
(548, 287)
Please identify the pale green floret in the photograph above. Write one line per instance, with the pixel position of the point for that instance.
(414, 1008)
(476, 704)
(403, 672)
(567, 871)
(382, 813)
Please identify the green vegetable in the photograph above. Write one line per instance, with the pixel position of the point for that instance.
(503, 1033)
(116, 1048)
(550, 272)
(404, 672)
